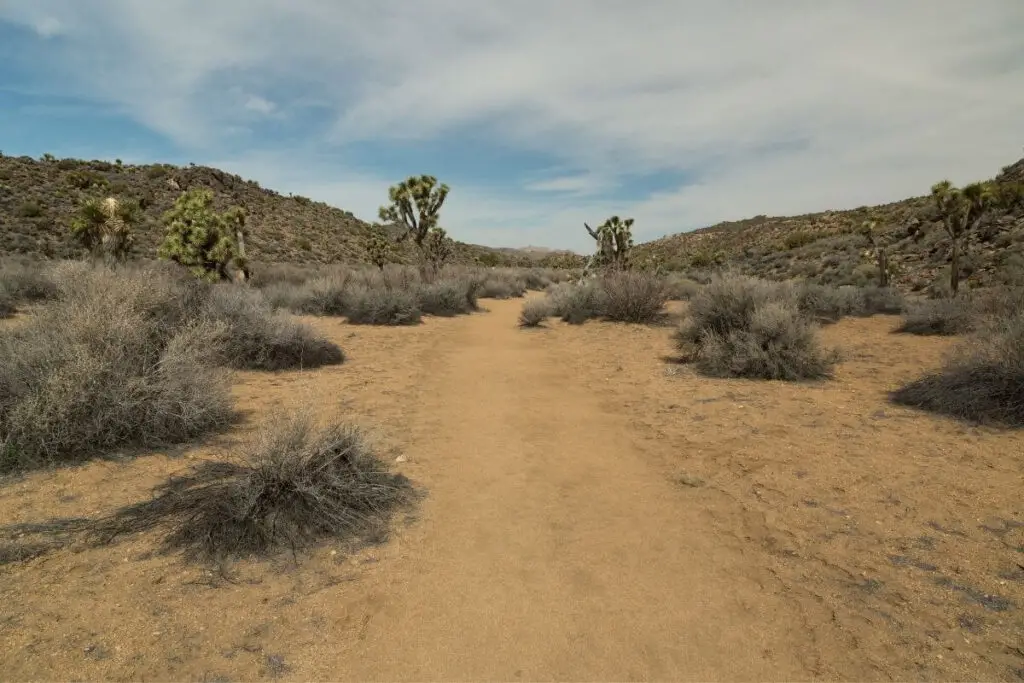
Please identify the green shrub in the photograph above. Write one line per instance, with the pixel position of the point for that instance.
(295, 487)
(982, 381)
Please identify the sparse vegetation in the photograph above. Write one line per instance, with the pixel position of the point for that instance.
(982, 381)
(633, 297)
(116, 361)
(743, 327)
(939, 317)
(294, 487)
(535, 312)
(259, 338)
(132, 358)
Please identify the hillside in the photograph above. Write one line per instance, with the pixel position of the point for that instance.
(827, 248)
(39, 197)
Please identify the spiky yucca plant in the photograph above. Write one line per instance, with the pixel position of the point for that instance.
(105, 227)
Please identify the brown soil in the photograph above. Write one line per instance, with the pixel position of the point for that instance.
(594, 512)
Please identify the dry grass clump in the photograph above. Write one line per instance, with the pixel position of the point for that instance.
(296, 486)
(118, 359)
(634, 297)
(259, 338)
(744, 327)
(982, 381)
(132, 358)
(943, 317)
(535, 312)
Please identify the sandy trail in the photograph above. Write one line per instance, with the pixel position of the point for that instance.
(827, 533)
(548, 549)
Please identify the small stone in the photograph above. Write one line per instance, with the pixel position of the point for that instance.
(401, 458)
(690, 480)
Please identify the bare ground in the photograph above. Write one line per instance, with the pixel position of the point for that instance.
(594, 512)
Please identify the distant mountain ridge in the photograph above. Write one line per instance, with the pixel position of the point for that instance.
(39, 197)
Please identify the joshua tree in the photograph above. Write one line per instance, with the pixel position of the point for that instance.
(106, 227)
(614, 240)
(869, 230)
(416, 205)
(438, 247)
(202, 240)
(378, 248)
(961, 211)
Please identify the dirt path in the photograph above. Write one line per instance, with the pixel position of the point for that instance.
(822, 533)
(548, 549)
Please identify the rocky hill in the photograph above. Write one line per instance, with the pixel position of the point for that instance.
(39, 197)
(826, 246)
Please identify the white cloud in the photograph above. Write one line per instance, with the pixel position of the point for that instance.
(48, 27)
(771, 107)
(259, 105)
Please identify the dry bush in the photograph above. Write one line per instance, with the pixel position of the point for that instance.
(744, 327)
(829, 304)
(260, 338)
(295, 487)
(681, 288)
(982, 381)
(577, 303)
(8, 302)
(633, 297)
(381, 306)
(24, 281)
(939, 317)
(448, 296)
(535, 312)
(502, 287)
(119, 359)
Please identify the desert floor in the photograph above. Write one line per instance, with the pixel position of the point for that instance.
(593, 511)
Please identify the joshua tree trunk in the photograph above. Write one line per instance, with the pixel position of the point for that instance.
(954, 267)
(883, 267)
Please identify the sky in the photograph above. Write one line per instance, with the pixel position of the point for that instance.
(539, 114)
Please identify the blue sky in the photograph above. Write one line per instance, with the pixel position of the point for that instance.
(539, 114)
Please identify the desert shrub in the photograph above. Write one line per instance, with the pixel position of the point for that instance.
(448, 296)
(267, 274)
(828, 304)
(537, 280)
(295, 487)
(117, 360)
(938, 316)
(259, 338)
(502, 287)
(577, 303)
(534, 312)
(982, 381)
(27, 281)
(8, 304)
(681, 288)
(323, 295)
(882, 301)
(744, 327)
(633, 296)
(381, 306)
